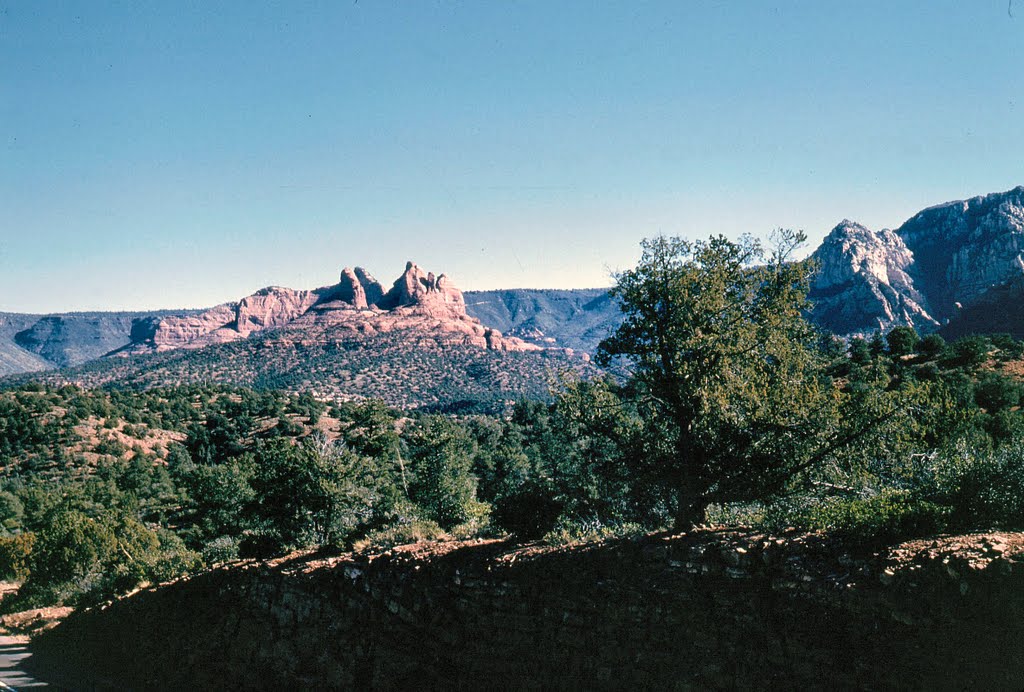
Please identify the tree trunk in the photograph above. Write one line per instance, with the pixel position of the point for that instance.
(691, 464)
(691, 509)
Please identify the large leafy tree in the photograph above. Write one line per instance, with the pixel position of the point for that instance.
(725, 371)
(313, 493)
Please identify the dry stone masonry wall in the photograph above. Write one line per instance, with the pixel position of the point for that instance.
(711, 610)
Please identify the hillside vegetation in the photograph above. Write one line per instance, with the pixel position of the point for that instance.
(733, 411)
(404, 371)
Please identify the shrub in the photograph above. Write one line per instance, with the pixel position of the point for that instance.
(15, 552)
(220, 549)
(968, 352)
(932, 346)
(982, 489)
(995, 392)
(902, 341)
(569, 531)
(529, 512)
(401, 534)
(889, 517)
(172, 559)
(12, 512)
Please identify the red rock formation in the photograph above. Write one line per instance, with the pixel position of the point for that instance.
(266, 309)
(272, 307)
(351, 290)
(433, 296)
(419, 305)
(358, 288)
(374, 291)
(178, 332)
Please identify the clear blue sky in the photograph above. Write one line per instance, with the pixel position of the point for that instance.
(172, 154)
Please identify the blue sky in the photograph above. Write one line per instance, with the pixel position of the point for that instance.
(174, 154)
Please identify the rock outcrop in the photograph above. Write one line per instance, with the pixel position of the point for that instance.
(964, 249)
(943, 260)
(419, 304)
(430, 295)
(272, 307)
(862, 283)
(358, 288)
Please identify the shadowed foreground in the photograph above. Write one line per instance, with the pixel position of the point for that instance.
(711, 609)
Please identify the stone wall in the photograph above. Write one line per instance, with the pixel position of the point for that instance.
(710, 610)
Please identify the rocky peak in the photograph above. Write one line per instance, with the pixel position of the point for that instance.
(358, 288)
(851, 250)
(374, 291)
(351, 290)
(427, 293)
(863, 284)
(942, 261)
(271, 307)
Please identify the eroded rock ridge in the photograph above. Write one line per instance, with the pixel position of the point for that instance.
(419, 303)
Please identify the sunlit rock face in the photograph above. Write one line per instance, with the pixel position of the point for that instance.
(419, 304)
(862, 282)
(964, 249)
(433, 295)
(266, 309)
(924, 274)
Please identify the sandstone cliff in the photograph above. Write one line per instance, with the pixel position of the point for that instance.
(418, 305)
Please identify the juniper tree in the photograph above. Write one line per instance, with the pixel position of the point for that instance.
(725, 370)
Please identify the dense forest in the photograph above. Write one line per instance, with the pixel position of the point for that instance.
(733, 410)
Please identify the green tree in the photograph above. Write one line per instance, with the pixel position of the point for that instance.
(724, 366)
(968, 352)
(902, 341)
(314, 493)
(860, 354)
(995, 392)
(441, 482)
(76, 553)
(932, 346)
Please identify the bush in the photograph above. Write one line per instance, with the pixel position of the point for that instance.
(172, 559)
(889, 517)
(261, 544)
(15, 552)
(529, 512)
(932, 346)
(569, 531)
(82, 558)
(401, 534)
(477, 521)
(995, 392)
(220, 549)
(968, 352)
(982, 489)
(902, 341)
(12, 511)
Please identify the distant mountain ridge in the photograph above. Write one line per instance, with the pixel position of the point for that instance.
(31, 343)
(957, 267)
(571, 318)
(943, 261)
